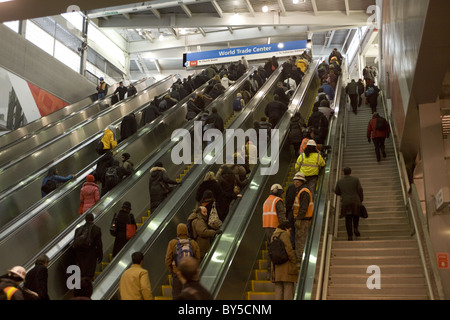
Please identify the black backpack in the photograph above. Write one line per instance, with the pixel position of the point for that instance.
(111, 176)
(49, 186)
(277, 251)
(82, 239)
(381, 124)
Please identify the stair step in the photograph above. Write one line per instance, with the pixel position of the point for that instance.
(386, 279)
(260, 295)
(374, 244)
(385, 290)
(166, 290)
(349, 297)
(399, 269)
(263, 286)
(377, 252)
(374, 260)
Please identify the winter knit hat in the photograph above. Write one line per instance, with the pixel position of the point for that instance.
(90, 178)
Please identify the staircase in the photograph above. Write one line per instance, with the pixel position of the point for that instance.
(385, 240)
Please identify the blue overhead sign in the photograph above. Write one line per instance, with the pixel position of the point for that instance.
(251, 52)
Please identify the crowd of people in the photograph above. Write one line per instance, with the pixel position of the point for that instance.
(288, 220)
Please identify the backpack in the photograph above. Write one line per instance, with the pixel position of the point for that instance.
(183, 249)
(82, 239)
(370, 91)
(99, 147)
(111, 176)
(190, 229)
(49, 186)
(237, 104)
(381, 124)
(277, 251)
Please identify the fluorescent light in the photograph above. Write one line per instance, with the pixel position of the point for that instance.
(5, 0)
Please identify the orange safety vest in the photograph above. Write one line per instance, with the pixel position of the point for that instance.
(270, 218)
(10, 291)
(296, 206)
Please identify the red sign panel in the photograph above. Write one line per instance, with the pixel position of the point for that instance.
(193, 63)
(442, 260)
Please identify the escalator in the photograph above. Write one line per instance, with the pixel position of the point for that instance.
(21, 199)
(60, 146)
(160, 227)
(52, 236)
(26, 138)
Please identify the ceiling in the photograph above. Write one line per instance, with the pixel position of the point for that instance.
(200, 25)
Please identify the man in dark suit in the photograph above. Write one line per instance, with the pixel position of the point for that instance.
(351, 192)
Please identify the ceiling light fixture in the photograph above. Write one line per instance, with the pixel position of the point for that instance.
(161, 37)
(294, 1)
(265, 9)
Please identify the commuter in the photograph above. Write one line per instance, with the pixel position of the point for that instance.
(372, 94)
(328, 90)
(225, 82)
(10, 288)
(51, 181)
(102, 89)
(254, 85)
(128, 127)
(290, 84)
(113, 176)
(250, 153)
(166, 103)
(269, 68)
(378, 130)
(352, 195)
(135, 283)
(266, 125)
(109, 140)
(238, 104)
(321, 95)
(123, 218)
(297, 128)
(230, 183)
(159, 185)
(301, 214)
(241, 69)
(297, 74)
(368, 77)
(89, 252)
(332, 79)
(36, 279)
(131, 90)
(352, 91)
(192, 109)
(309, 163)
(189, 274)
(318, 121)
(302, 64)
(89, 194)
(209, 183)
(360, 92)
(337, 54)
(121, 90)
(325, 109)
(178, 248)
(187, 85)
(280, 91)
(215, 120)
(102, 165)
(200, 230)
(258, 78)
(216, 91)
(275, 110)
(85, 290)
(323, 69)
(274, 213)
(127, 165)
(245, 63)
(150, 113)
(284, 275)
(293, 201)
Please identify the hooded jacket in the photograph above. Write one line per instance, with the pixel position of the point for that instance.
(108, 140)
(89, 195)
(158, 174)
(182, 233)
(202, 233)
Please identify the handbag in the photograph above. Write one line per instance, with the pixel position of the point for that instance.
(131, 228)
(113, 227)
(163, 187)
(214, 220)
(363, 212)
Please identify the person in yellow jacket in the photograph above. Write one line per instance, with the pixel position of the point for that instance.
(309, 163)
(302, 64)
(274, 213)
(134, 282)
(109, 139)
